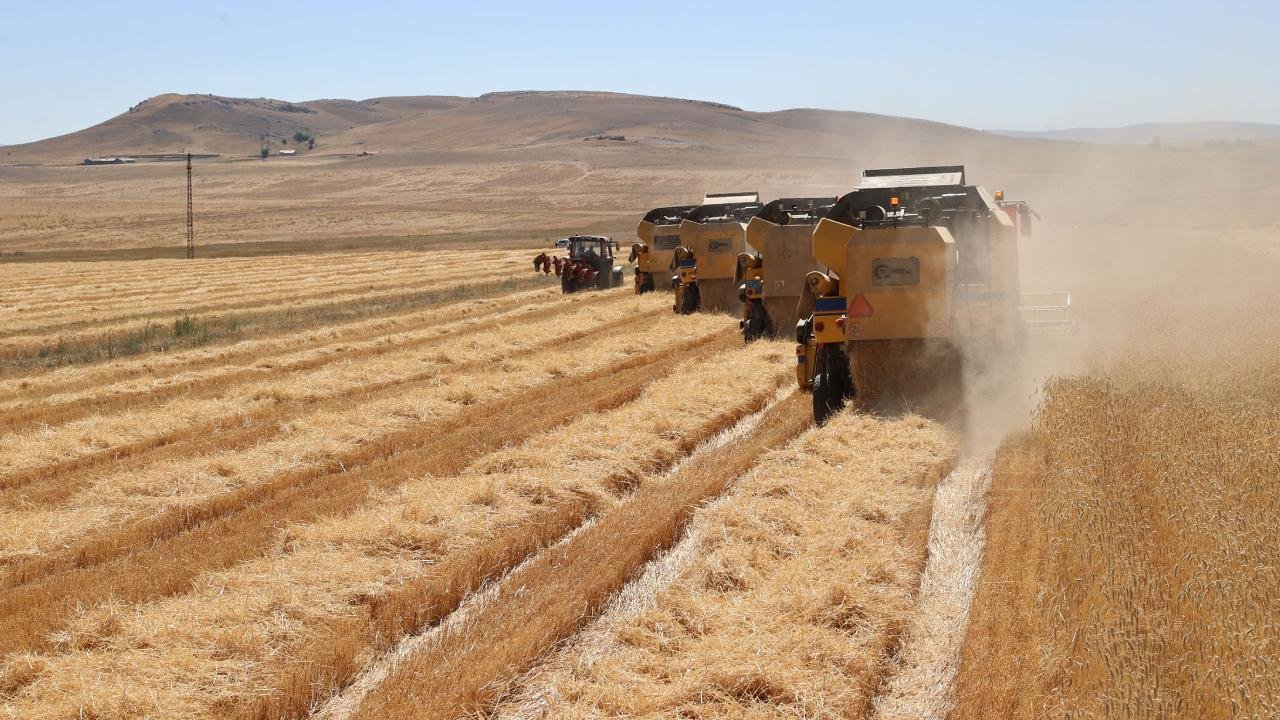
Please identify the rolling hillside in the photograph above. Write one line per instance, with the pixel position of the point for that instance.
(214, 124)
(495, 121)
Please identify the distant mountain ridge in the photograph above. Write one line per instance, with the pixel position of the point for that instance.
(495, 122)
(556, 124)
(1145, 133)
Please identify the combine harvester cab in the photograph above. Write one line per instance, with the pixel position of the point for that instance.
(589, 264)
(659, 235)
(922, 270)
(771, 280)
(706, 262)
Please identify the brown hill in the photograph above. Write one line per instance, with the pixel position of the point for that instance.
(215, 124)
(491, 122)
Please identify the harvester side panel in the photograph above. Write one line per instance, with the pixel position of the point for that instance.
(788, 257)
(661, 241)
(787, 251)
(906, 279)
(715, 246)
(828, 242)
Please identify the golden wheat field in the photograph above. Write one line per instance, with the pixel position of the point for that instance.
(429, 485)
(1131, 566)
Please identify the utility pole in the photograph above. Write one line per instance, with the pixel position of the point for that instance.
(191, 220)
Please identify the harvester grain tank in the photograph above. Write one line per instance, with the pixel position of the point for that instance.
(659, 235)
(589, 263)
(711, 238)
(919, 266)
(771, 280)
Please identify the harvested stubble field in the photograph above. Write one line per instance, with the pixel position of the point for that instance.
(302, 514)
(119, 308)
(430, 485)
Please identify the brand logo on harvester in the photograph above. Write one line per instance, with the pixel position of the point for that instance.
(719, 245)
(895, 271)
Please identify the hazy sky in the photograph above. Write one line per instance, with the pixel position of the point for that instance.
(1011, 65)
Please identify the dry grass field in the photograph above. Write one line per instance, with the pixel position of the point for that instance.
(310, 505)
(357, 460)
(1131, 569)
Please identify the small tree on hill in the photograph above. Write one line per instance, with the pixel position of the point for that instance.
(265, 152)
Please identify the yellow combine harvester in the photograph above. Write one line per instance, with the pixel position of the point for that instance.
(711, 238)
(771, 280)
(919, 265)
(659, 234)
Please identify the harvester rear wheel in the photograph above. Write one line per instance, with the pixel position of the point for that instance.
(832, 384)
(690, 299)
(644, 282)
(757, 324)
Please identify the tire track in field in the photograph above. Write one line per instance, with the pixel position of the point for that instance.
(921, 681)
(331, 658)
(59, 479)
(214, 385)
(460, 668)
(242, 525)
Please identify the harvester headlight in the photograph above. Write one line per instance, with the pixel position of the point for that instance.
(999, 196)
(895, 201)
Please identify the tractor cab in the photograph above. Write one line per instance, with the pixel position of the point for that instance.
(591, 247)
(588, 265)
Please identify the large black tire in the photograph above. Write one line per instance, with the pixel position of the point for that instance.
(690, 299)
(567, 284)
(825, 402)
(757, 324)
(644, 282)
(832, 384)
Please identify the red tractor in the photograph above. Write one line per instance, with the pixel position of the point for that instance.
(589, 264)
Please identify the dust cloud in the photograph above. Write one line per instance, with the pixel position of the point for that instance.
(1173, 265)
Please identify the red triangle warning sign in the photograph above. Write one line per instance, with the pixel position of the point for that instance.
(860, 307)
